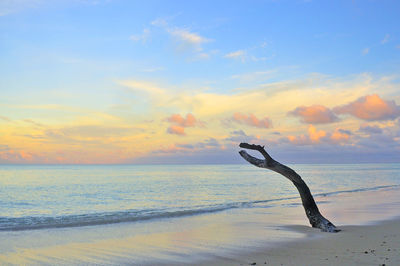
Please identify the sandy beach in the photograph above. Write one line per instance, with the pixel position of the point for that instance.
(355, 245)
(377, 244)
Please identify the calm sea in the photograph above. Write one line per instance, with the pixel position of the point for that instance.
(42, 196)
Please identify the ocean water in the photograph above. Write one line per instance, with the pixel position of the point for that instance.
(222, 207)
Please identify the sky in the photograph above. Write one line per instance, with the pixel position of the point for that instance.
(152, 82)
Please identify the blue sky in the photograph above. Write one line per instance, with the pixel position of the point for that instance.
(125, 68)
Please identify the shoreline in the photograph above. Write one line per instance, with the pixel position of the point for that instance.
(376, 244)
(265, 235)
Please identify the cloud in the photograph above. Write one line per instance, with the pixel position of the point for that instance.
(298, 140)
(371, 108)
(83, 128)
(189, 121)
(238, 136)
(210, 151)
(179, 123)
(252, 120)
(186, 39)
(380, 141)
(209, 143)
(315, 136)
(178, 130)
(366, 50)
(316, 114)
(243, 56)
(14, 156)
(185, 148)
(239, 54)
(254, 53)
(186, 36)
(370, 129)
(340, 135)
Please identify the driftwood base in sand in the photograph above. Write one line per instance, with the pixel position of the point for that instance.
(314, 216)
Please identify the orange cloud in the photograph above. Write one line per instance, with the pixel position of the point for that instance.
(340, 135)
(252, 120)
(317, 114)
(178, 130)
(315, 135)
(370, 107)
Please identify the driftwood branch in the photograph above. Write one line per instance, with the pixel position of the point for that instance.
(314, 216)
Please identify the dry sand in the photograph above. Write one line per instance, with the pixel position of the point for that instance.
(354, 245)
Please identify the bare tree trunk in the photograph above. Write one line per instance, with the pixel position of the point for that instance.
(312, 212)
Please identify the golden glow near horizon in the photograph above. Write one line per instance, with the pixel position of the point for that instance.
(179, 122)
(158, 90)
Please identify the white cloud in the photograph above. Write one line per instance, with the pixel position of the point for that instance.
(365, 51)
(246, 55)
(187, 36)
(186, 39)
(239, 54)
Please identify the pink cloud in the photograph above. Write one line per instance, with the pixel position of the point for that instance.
(252, 120)
(14, 156)
(177, 130)
(179, 123)
(370, 107)
(316, 114)
(189, 121)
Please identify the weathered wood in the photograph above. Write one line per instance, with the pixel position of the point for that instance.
(314, 216)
